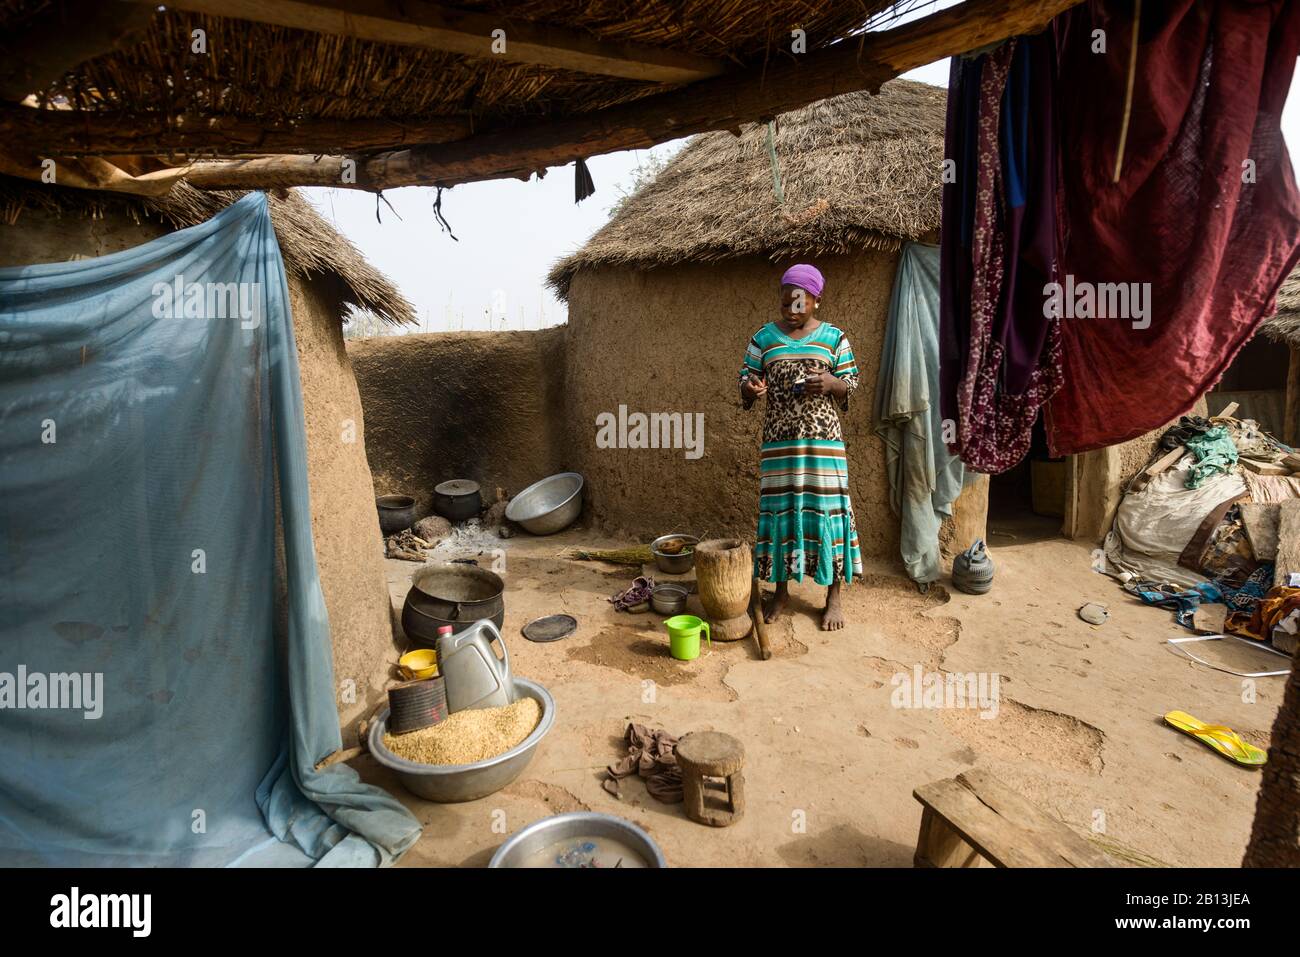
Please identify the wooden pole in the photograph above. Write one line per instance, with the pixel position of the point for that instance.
(1291, 420)
(760, 626)
(114, 133)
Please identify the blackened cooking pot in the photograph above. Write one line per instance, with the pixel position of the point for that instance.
(451, 594)
(457, 500)
(396, 513)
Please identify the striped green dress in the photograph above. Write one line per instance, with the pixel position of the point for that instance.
(805, 518)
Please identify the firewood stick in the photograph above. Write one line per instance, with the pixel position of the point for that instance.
(345, 754)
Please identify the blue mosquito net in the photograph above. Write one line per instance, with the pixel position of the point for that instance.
(148, 715)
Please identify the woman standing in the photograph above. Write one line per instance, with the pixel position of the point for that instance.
(805, 368)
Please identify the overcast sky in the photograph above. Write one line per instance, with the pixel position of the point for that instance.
(510, 234)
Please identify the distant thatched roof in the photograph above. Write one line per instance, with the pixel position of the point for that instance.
(310, 244)
(857, 171)
(1285, 326)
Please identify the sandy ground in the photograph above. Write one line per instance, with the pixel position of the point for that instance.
(830, 761)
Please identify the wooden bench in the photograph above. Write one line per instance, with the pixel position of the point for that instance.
(974, 820)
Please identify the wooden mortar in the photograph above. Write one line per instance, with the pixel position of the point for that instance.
(724, 572)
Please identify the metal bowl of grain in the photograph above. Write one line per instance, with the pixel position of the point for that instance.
(449, 783)
(674, 554)
(530, 846)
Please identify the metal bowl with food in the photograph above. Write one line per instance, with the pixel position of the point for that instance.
(548, 506)
(674, 554)
(450, 783)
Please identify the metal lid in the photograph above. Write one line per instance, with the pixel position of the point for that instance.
(550, 628)
(457, 487)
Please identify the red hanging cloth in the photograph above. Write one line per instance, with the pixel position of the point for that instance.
(1206, 211)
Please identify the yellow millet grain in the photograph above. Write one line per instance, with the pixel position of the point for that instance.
(468, 736)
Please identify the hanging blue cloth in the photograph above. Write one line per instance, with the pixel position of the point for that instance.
(148, 400)
(924, 479)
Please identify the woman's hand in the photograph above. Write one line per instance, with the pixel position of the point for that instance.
(824, 384)
(752, 387)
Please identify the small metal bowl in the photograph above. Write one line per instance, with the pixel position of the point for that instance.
(669, 599)
(575, 824)
(674, 564)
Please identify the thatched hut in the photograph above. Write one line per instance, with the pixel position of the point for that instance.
(327, 279)
(663, 299)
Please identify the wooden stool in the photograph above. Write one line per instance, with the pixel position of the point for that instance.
(974, 820)
(711, 754)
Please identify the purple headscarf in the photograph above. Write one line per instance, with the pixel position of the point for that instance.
(806, 277)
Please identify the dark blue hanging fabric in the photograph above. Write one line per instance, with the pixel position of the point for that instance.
(147, 400)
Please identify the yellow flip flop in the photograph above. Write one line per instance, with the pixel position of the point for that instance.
(1222, 739)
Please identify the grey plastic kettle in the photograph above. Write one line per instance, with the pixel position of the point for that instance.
(471, 672)
(972, 570)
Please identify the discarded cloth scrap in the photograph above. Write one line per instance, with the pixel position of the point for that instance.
(1215, 453)
(637, 593)
(652, 755)
(1279, 608)
(1240, 600)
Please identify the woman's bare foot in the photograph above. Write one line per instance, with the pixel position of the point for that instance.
(776, 607)
(833, 616)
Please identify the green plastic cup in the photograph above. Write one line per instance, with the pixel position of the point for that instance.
(684, 636)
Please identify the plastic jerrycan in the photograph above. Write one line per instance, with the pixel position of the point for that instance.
(473, 675)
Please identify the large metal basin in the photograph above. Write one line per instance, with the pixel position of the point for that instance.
(548, 506)
(550, 830)
(449, 783)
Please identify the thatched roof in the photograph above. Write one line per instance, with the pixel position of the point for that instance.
(379, 94)
(310, 245)
(857, 171)
(258, 69)
(1285, 326)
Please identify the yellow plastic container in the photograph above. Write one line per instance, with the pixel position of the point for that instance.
(420, 663)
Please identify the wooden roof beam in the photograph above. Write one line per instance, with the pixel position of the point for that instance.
(112, 133)
(861, 63)
(422, 24)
